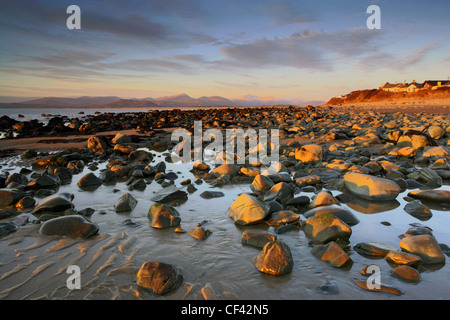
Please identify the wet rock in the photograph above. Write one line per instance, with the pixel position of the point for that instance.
(108, 177)
(98, 144)
(159, 277)
(229, 169)
(169, 194)
(373, 249)
(424, 246)
(72, 226)
(418, 210)
(247, 209)
(9, 196)
(326, 227)
(89, 182)
(415, 139)
(328, 288)
(275, 259)
(8, 227)
(257, 238)
(370, 187)
(310, 153)
(125, 203)
(427, 177)
(343, 214)
(298, 202)
(261, 184)
(283, 217)
(199, 233)
(406, 273)
(331, 253)
(307, 180)
(25, 202)
(56, 203)
(323, 198)
(436, 196)
(163, 216)
(121, 138)
(281, 192)
(382, 287)
(45, 181)
(211, 194)
(403, 258)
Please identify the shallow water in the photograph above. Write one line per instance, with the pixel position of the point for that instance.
(34, 266)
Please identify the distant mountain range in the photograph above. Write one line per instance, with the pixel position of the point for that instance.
(179, 100)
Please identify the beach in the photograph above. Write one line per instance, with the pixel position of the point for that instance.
(363, 167)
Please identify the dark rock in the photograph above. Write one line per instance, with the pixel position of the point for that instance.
(73, 226)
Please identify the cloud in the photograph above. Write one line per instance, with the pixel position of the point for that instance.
(312, 50)
(384, 60)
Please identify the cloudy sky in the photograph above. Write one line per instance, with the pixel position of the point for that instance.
(287, 49)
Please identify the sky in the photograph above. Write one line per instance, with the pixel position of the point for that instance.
(294, 50)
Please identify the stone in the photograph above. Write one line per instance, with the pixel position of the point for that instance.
(406, 273)
(331, 253)
(8, 227)
(98, 144)
(108, 177)
(307, 180)
(326, 227)
(211, 194)
(415, 139)
(247, 209)
(435, 152)
(257, 238)
(382, 288)
(373, 249)
(283, 217)
(370, 187)
(261, 184)
(199, 233)
(223, 169)
(275, 258)
(323, 198)
(424, 246)
(402, 258)
(121, 138)
(55, 203)
(436, 196)
(125, 203)
(169, 194)
(72, 226)
(281, 192)
(25, 202)
(427, 177)
(436, 132)
(418, 210)
(89, 182)
(342, 213)
(310, 153)
(9, 196)
(159, 277)
(163, 216)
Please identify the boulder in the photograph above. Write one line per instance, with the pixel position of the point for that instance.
(163, 216)
(370, 187)
(418, 210)
(72, 226)
(436, 132)
(373, 249)
(9, 196)
(402, 258)
(257, 238)
(342, 213)
(230, 169)
(247, 209)
(125, 203)
(310, 153)
(436, 196)
(98, 144)
(89, 182)
(55, 203)
(159, 277)
(326, 227)
(283, 217)
(261, 184)
(281, 192)
(275, 259)
(169, 194)
(331, 253)
(424, 246)
(406, 273)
